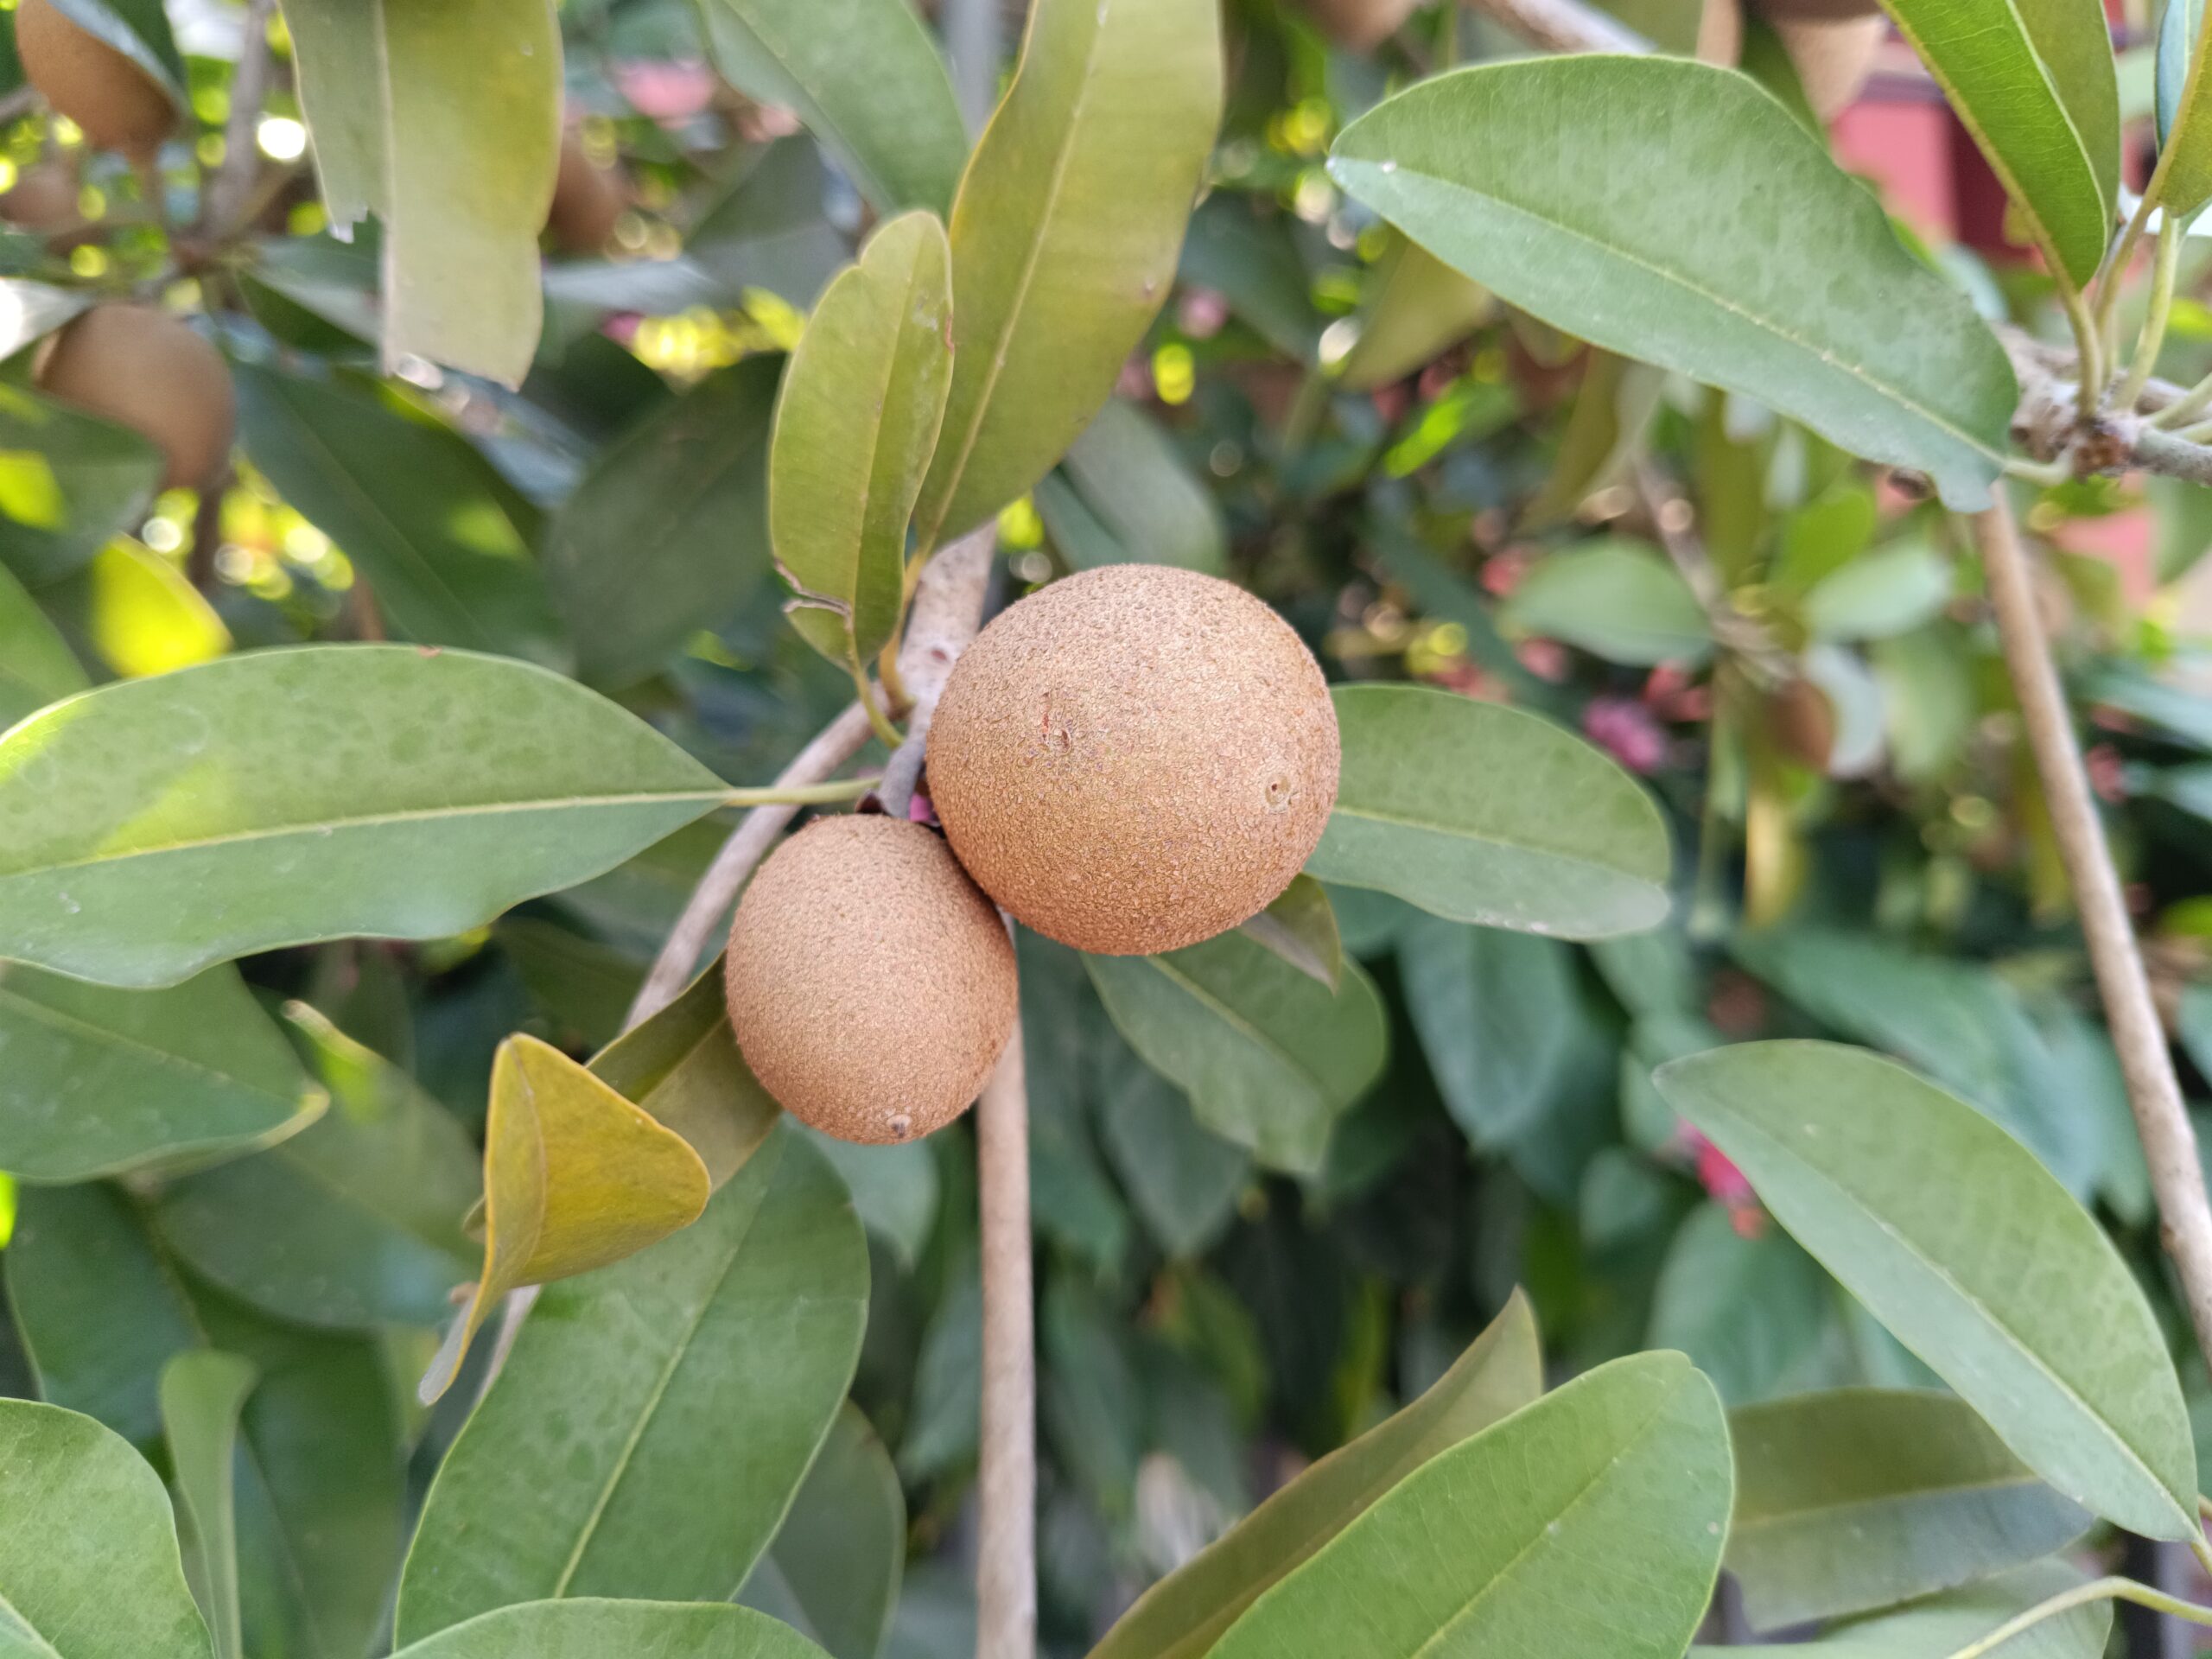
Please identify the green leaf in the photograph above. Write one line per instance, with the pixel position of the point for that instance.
(1859, 1498)
(1065, 236)
(88, 1553)
(654, 1419)
(471, 129)
(857, 423)
(248, 786)
(1941, 1626)
(1746, 1311)
(331, 40)
(2181, 22)
(137, 612)
(1485, 814)
(587, 1629)
(1971, 1253)
(1613, 409)
(1416, 308)
(1878, 595)
(865, 79)
(69, 484)
(2035, 85)
(1183, 1179)
(1881, 356)
(202, 1394)
(683, 1066)
(1183, 1615)
(1617, 599)
(575, 1177)
(1589, 1521)
(36, 666)
(894, 1188)
(668, 533)
(99, 1081)
(1122, 495)
(839, 1556)
(412, 504)
(320, 1488)
(1269, 1057)
(354, 1222)
(1300, 927)
(1251, 259)
(1495, 1014)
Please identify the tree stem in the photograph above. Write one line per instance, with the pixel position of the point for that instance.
(2153, 1091)
(1006, 1565)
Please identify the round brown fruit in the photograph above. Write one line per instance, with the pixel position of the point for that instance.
(43, 200)
(1359, 25)
(1833, 56)
(1804, 723)
(871, 985)
(587, 200)
(140, 367)
(117, 104)
(1134, 759)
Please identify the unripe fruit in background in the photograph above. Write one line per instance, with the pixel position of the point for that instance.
(871, 985)
(1359, 25)
(117, 104)
(140, 367)
(43, 199)
(1134, 759)
(1833, 56)
(587, 200)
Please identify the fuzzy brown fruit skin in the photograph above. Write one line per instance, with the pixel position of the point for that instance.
(1833, 56)
(1359, 25)
(118, 105)
(587, 200)
(1134, 759)
(140, 367)
(871, 984)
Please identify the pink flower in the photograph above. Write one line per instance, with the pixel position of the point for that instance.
(1724, 1184)
(666, 91)
(918, 810)
(1623, 728)
(1201, 313)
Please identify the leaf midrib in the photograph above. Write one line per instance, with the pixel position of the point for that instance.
(325, 828)
(1237, 1022)
(2106, 1430)
(1820, 355)
(2025, 1481)
(1405, 821)
(76, 1025)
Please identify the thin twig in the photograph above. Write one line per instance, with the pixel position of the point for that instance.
(1564, 26)
(832, 747)
(1006, 1565)
(233, 180)
(2081, 1596)
(2153, 1091)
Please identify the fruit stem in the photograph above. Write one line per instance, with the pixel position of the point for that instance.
(2154, 321)
(1006, 1545)
(844, 789)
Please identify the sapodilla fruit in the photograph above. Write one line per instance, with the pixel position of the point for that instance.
(1134, 759)
(1833, 11)
(1833, 56)
(587, 200)
(871, 985)
(117, 104)
(1359, 25)
(140, 367)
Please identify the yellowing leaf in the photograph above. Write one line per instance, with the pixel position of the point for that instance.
(144, 618)
(574, 1176)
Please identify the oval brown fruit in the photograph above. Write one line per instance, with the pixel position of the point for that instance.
(871, 984)
(1134, 759)
(1833, 56)
(587, 200)
(1359, 25)
(140, 367)
(1832, 11)
(117, 104)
